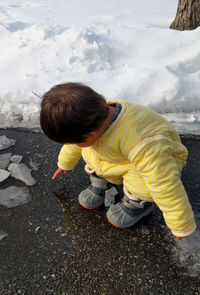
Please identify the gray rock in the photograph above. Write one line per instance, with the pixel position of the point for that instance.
(21, 172)
(3, 234)
(14, 196)
(4, 174)
(6, 142)
(5, 160)
(16, 158)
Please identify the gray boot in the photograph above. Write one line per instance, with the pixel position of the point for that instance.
(129, 211)
(93, 196)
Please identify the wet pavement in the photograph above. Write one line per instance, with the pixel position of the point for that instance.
(54, 246)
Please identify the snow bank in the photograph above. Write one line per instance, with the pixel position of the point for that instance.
(128, 53)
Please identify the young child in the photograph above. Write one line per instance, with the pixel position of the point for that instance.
(121, 143)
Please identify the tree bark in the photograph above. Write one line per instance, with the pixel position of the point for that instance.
(187, 16)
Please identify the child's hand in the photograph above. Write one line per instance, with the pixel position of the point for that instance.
(58, 172)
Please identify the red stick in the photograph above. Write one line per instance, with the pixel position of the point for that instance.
(178, 238)
(57, 173)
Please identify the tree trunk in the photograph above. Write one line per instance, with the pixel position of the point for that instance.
(187, 16)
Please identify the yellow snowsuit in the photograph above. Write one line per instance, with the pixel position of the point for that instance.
(143, 151)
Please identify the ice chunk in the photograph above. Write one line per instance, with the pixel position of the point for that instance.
(110, 196)
(5, 160)
(4, 174)
(14, 196)
(34, 165)
(196, 267)
(21, 172)
(188, 252)
(6, 142)
(16, 158)
(3, 234)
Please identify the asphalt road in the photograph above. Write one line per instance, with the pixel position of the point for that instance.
(54, 246)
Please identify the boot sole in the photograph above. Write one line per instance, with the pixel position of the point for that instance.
(116, 225)
(147, 214)
(89, 208)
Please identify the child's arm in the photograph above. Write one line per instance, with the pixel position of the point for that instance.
(159, 169)
(69, 156)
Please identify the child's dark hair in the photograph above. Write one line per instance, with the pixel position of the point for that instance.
(70, 111)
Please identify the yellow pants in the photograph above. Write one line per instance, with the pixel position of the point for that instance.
(125, 174)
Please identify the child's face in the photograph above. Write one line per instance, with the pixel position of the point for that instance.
(90, 140)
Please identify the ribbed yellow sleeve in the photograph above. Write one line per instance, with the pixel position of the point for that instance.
(69, 156)
(159, 169)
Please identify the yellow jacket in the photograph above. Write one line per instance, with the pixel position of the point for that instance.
(141, 137)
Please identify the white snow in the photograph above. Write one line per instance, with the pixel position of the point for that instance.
(122, 48)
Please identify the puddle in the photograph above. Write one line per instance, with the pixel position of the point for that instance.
(62, 197)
